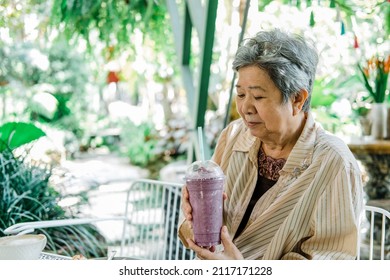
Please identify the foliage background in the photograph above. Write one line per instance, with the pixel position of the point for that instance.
(56, 56)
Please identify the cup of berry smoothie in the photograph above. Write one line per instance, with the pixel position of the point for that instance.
(205, 181)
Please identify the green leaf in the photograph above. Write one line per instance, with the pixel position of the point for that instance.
(323, 100)
(321, 97)
(263, 4)
(387, 20)
(16, 134)
(368, 86)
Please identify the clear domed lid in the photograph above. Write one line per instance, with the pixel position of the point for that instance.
(204, 170)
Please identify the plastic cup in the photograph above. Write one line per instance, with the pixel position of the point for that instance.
(205, 181)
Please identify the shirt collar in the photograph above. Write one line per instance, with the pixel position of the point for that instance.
(247, 143)
(301, 154)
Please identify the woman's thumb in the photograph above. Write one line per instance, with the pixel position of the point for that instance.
(225, 237)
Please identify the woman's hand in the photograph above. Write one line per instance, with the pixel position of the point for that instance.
(186, 206)
(230, 251)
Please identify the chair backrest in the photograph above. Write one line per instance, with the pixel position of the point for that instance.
(374, 235)
(153, 216)
(149, 223)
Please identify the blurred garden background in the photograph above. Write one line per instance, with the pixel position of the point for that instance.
(101, 79)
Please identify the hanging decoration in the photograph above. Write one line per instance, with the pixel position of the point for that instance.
(342, 28)
(112, 77)
(312, 21)
(356, 42)
(339, 19)
(332, 4)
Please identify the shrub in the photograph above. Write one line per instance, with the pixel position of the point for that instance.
(26, 195)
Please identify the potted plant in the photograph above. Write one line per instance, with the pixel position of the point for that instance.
(375, 77)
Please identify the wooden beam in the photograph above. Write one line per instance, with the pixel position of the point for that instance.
(202, 19)
(206, 60)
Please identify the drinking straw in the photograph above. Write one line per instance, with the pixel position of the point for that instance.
(201, 145)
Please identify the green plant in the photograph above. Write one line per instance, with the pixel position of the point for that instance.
(173, 140)
(51, 77)
(114, 21)
(24, 62)
(25, 195)
(16, 134)
(375, 75)
(139, 142)
(152, 149)
(323, 94)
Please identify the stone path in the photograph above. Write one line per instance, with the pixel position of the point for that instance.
(104, 178)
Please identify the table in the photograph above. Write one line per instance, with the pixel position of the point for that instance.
(374, 155)
(54, 257)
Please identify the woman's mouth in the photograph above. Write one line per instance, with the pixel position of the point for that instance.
(252, 124)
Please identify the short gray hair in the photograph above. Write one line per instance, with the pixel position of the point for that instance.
(289, 59)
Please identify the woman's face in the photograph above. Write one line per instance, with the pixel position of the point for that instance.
(260, 104)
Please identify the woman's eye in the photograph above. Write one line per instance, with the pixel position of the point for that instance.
(240, 95)
(258, 97)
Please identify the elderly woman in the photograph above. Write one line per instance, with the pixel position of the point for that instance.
(293, 191)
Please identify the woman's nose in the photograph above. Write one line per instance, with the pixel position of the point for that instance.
(247, 106)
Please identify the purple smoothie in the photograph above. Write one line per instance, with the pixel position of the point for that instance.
(205, 182)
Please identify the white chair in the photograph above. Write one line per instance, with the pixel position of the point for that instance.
(150, 221)
(374, 234)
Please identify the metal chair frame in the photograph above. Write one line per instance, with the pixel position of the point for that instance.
(385, 216)
(150, 220)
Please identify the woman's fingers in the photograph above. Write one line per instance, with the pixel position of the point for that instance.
(201, 253)
(230, 250)
(224, 195)
(186, 206)
(225, 238)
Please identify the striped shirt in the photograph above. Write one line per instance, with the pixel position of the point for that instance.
(313, 210)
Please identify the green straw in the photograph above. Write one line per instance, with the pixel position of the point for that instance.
(201, 145)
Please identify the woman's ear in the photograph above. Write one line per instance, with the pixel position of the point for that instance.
(299, 100)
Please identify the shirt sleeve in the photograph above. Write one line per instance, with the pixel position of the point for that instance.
(336, 220)
(220, 147)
